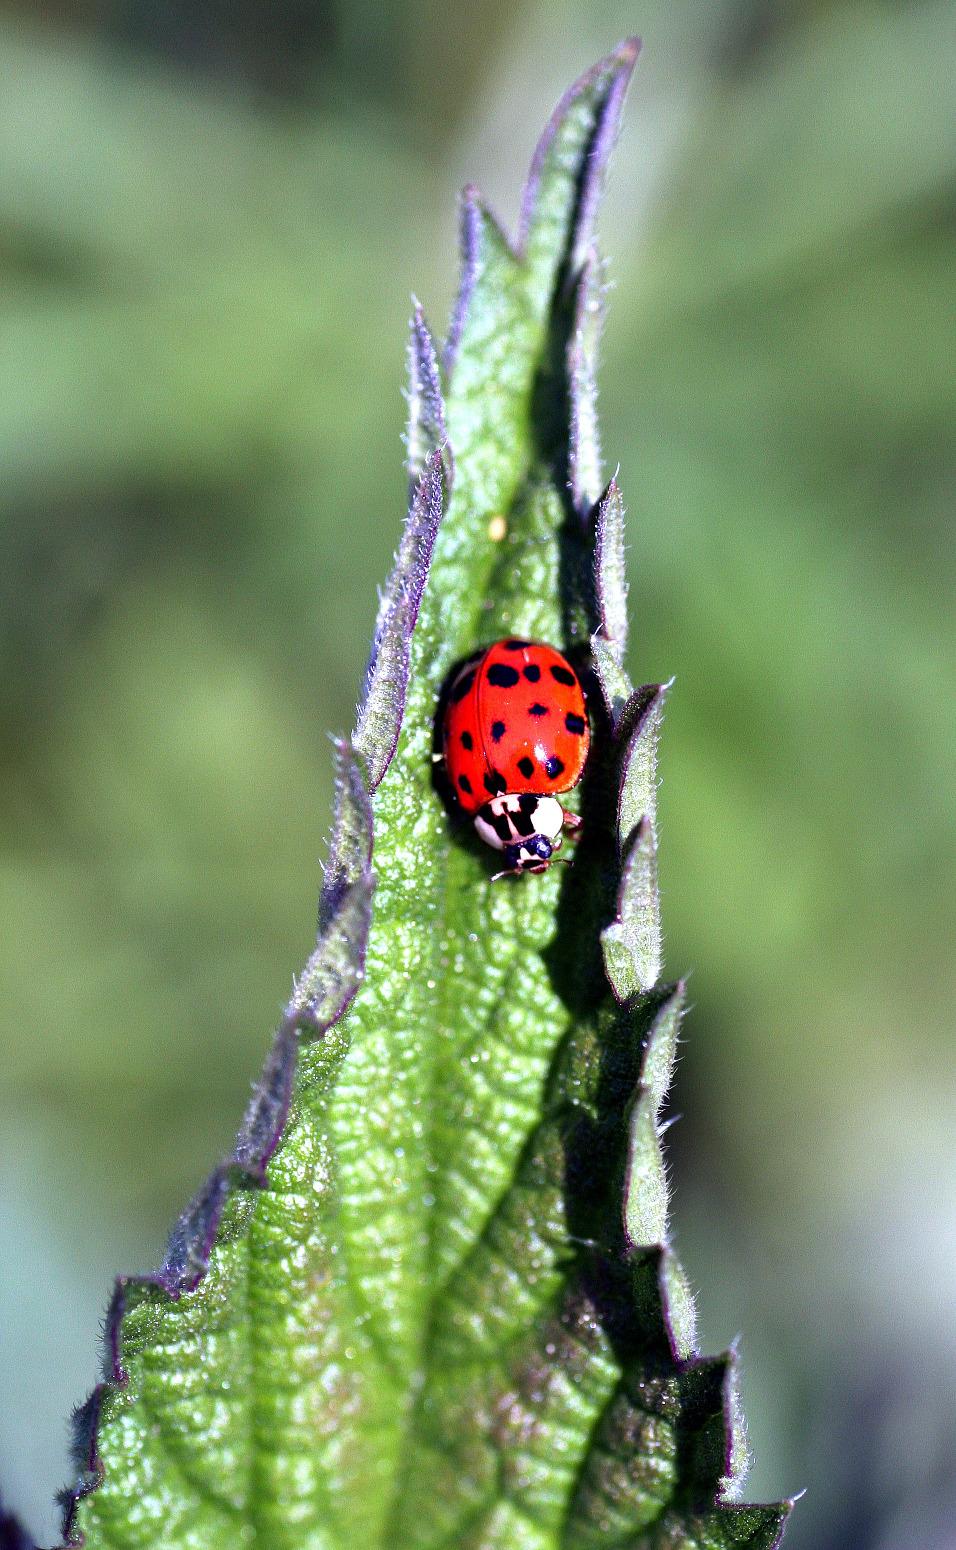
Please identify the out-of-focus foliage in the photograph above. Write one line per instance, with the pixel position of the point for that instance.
(201, 488)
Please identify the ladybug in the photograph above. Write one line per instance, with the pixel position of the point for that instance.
(514, 734)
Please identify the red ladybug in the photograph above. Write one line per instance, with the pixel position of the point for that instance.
(515, 732)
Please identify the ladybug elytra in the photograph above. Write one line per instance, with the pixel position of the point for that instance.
(514, 735)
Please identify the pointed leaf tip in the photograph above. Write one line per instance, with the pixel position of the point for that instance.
(610, 568)
(639, 732)
(469, 241)
(480, 240)
(426, 406)
(561, 196)
(386, 681)
(736, 1448)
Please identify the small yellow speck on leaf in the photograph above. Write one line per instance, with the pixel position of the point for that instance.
(497, 528)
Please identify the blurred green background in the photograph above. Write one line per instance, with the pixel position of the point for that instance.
(212, 215)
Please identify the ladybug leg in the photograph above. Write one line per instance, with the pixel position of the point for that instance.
(573, 823)
(546, 865)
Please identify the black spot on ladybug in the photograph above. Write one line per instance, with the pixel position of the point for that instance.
(502, 826)
(553, 767)
(497, 731)
(526, 766)
(461, 688)
(465, 784)
(563, 675)
(495, 783)
(467, 741)
(537, 710)
(523, 823)
(574, 723)
(515, 645)
(527, 802)
(532, 672)
(501, 676)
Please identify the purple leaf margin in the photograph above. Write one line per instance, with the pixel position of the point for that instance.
(331, 978)
(382, 706)
(346, 894)
(333, 974)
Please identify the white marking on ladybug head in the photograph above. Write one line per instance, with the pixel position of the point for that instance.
(548, 817)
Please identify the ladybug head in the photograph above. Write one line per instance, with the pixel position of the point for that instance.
(525, 827)
(529, 855)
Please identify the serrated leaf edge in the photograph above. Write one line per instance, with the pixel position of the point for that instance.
(473, 214)
(379, 719)
(610, 562)
(618, 67)
(635, 716)
(191, 1242)
(345, 897)
(426, 430)
(684, 1352)
(382, 706)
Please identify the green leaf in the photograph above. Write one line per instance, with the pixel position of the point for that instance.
(430, 1299)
